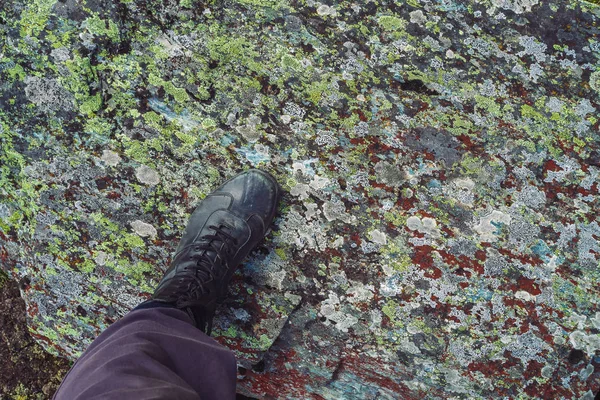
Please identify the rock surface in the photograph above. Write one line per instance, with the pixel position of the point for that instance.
(28, 372)
(439, 237)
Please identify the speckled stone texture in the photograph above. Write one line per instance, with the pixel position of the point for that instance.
(440, 233)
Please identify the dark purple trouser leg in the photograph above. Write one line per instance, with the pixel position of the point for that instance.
(152, 353)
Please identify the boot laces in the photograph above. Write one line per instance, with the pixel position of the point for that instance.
(207, 271)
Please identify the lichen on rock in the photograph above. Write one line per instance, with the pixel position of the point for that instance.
(438, 235)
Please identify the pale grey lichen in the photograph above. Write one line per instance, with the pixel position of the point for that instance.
(333, 210)
(389, 174)
(324, 9)
(147, 175)
(4, 211)
(489, 224)
(300, 190)
(417, 17)
(462, 190)
(378, 237)
(143, 229)
(110, 158)
(61, 54)
(334, 312)
(588, 244)
(101, 258)
(531, 196)
(425, 225)
(495, 264)
(298, 231)
(527, 347)
(554, 104)
(517, 6)
(48, 94)
(595, 81)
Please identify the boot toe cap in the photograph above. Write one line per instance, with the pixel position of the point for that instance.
(254, 192)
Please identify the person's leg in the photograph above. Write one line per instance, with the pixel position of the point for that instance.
(161, 349)
(152, 353)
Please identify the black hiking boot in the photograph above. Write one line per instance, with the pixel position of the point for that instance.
(221, 232)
